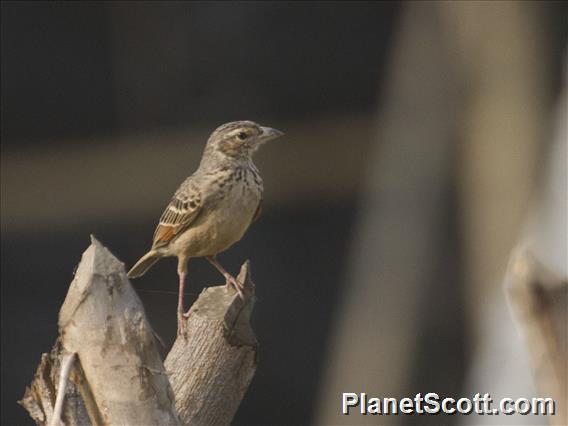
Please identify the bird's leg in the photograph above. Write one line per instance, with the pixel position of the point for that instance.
(228, 277)
(180, 316)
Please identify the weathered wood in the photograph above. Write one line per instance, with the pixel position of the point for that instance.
(39, 398)
(539, 299)
(211, 367)
(117, 376)
(118, 370)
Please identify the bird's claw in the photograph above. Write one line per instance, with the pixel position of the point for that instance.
(236, 285)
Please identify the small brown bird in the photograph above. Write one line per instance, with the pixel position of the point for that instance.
(212, 209)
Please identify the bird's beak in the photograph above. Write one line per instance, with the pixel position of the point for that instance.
(268, 133)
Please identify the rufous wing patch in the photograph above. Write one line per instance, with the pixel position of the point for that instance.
(178, 215)
(163, 234)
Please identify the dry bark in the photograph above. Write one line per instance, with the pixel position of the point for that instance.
(39, 398)
(117, 376)
(213, 366)
(118, 371)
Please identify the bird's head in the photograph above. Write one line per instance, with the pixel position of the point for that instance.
(239, 139)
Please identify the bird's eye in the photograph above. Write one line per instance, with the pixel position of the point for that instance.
(242, 136)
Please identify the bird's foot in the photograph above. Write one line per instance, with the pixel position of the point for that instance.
(230, 280)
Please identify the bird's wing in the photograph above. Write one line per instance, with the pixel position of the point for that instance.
(182, 210)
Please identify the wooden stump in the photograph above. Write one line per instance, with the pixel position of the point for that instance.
(116, 374)
(213, 366)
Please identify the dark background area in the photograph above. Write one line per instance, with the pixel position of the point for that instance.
(75, 72)
(82, 69)
(98, 76)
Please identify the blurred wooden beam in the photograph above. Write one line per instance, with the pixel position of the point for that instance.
(134, 176)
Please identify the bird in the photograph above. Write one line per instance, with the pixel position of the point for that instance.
(213, 208)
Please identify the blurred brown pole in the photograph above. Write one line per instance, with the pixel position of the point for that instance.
(500, 51)
(399, 230)
(494, 55)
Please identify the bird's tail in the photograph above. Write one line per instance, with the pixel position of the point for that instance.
(144, 264)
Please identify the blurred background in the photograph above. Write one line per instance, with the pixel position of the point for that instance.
(424, 140)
